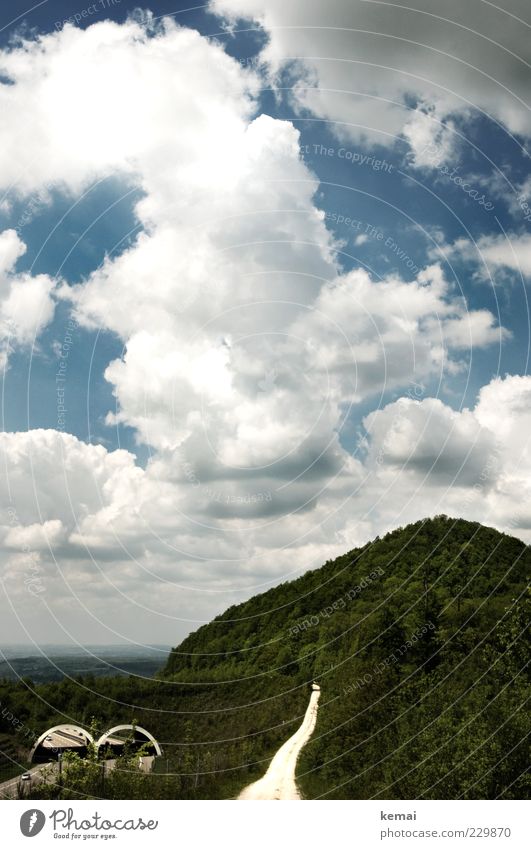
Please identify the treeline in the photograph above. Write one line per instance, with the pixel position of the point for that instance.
(419, 641)
(214, 740)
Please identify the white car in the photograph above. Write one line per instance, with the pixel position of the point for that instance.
(26, 776)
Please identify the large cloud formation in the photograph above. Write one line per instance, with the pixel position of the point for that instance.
(85, 529)
(245, 347)
(368, 64)
(470, 462)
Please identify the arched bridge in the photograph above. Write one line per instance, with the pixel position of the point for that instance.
(116, 738)
(59, 739)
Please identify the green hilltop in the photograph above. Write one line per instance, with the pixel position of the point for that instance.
(418, 641)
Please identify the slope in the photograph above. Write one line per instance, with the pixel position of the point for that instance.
(418, 642)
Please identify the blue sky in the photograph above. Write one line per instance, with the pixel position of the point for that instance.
(402, 179)
(396, 201)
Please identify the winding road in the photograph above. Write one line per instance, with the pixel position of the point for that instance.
(279, 781)
(9, 789)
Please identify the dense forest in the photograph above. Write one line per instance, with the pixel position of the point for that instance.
(418, 641)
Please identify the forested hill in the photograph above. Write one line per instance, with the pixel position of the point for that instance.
(417, 640)
(456, 575)
(418, 643)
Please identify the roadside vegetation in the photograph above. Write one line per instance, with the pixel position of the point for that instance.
(419, 641)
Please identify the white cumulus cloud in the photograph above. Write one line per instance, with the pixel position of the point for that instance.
(26, 302)
(245, 345)
(367, 65)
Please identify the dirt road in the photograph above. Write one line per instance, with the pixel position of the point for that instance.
(279, 780)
